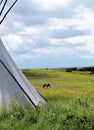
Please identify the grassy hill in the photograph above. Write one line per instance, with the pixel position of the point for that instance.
(70, 103)
(63, 84)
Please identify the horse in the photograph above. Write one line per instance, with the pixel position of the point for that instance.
(46, 85)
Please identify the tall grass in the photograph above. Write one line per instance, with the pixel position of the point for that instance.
(61, 115)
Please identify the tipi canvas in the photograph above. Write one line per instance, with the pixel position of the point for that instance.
(14, 85)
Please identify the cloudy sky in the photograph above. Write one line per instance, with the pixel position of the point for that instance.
(50, 33)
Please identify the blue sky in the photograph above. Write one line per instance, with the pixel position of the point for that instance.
(50, 33)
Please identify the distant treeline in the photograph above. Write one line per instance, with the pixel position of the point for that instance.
(80, 69)
(70, 69)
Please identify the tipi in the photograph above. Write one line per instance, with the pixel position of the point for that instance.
(14, 85)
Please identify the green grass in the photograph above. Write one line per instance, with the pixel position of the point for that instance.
(62, 115)
(64, 84)
(70, 103)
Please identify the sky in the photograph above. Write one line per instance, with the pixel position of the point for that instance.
(50, 33)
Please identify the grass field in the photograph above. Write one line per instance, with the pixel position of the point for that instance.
(70, 103)
(64, 85)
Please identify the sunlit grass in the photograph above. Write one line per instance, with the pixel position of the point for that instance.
(63, 84)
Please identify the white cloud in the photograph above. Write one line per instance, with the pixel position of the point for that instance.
(50, 4)
(13, 41)
(81, 39)
(50, 28)
(14, 38)
(88, 47)
(85, 18)
(87, 57)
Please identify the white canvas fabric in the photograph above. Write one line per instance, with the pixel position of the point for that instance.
(13, 83)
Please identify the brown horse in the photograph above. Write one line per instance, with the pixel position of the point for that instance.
(46, 85)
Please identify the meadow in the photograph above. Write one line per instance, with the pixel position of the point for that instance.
(70, 103)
